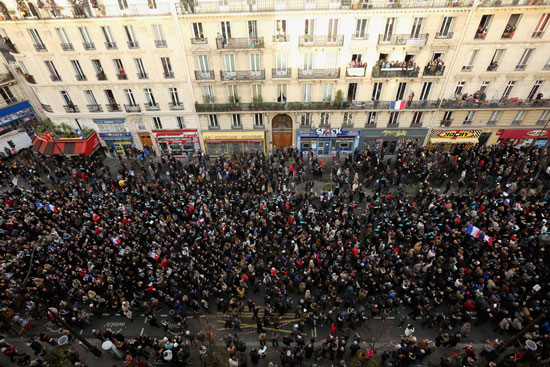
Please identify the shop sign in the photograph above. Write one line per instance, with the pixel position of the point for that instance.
(229, 135)
(115, 136)
(109, 121)
(537, 133)
(457, 134)
(176, 133)
(520, 134)
(395, 133)
(329, 133)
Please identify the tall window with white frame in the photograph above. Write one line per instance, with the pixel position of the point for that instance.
(447, 118)
(361, 29)
(417, 119)
(544, 118)
(348, 119)
(258, 121)
(233, 93)
(507, 91)
(305, 120)
(87, 42)
(66, 44)
(256, 92)
(180, 122)
(79, 73)
(36, 40)
(470, 115)
(158, 33)
(110, 43)
(150, 98)
(471, 60)
(130, 98)
(493, 118)
(519, 118)
(534, 93)
(167, 67)
(7, 95)
(208, 94)
(157, 124)
(459, 89)
(93, 106)
(236, 121)
(522, 63)
(213, 122)
(140, 68)
(325, 119)
(198, 33)
(371, 119)
(425, 92)
(394, 119)
(281, 93)
(541, 25)
(121, 73)
(54, 75)
(328, 91)
(306, 92)
(446, 29)
(377, 91)
(175, 102)
(69, 105)
(131, 37)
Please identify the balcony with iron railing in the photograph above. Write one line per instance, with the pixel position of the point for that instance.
(67, 47)
(55, 78)
(101, 76)
(122, 76)
(40, 47)
(47, 108)
(333, 73)
(309, 106)
(408, 72)
(444, 35)
(356, 71)
(239, 43)
(111, 45)
(94, 108)
(434, 70)
(446, 123)
(132, 108)
(281, 38)
(80, 77)
(321, 41)
(494, 104)
(176, 106)
(133, 44)
(6, 77)
(142, 75)
(71, 108)
(88, 45)
(113, 107)
(152, 107)
(29, 78)
(209, 6)
(199, 40)
(500, 3)
(403, 40)
(161, 43)
(168, 74)
(281, 73)
(242, 75)
(204, 75)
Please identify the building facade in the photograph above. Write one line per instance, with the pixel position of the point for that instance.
(320, 75)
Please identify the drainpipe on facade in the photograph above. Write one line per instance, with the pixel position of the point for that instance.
(183, 55)
(451, 68)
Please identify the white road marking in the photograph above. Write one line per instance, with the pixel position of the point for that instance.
(81, 331)
(141, 333)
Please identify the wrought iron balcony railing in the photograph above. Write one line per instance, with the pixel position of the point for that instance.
(316, 41)
(239, 43)
(242, 75)
(319, 73)
(204, 75)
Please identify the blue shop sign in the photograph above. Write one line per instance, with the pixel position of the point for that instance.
(15, 112)
(329, 133)
(115, 136)
(109, 121)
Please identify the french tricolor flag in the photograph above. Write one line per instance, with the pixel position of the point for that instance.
(506, 202)
(154, 255)
(397, 105)
(472, 230)
(50, 208)
(116, 240)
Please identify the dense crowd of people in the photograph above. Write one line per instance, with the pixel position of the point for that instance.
(387, 238)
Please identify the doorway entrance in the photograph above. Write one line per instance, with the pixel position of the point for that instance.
(145, 139)
(281, 126)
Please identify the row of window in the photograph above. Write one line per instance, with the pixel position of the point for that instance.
(88, 43)
(361, 28)
(372, 117)
(497, 58)
(470, 117)
(140, 125)
(120, 71)
(511, 26)
(481, 93)
(150, 99)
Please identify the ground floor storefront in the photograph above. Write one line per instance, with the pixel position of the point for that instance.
(449, 140)
(387, 141)
(327, 141)
(226, 143)
(523, 137)
(178, 143)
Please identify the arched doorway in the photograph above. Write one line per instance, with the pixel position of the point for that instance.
(4, 11)
(281, 126)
